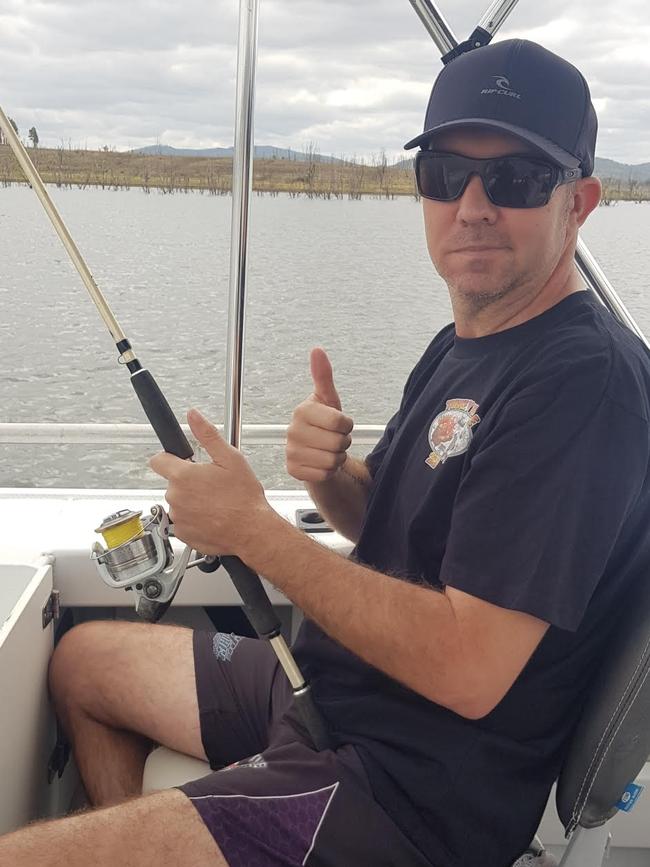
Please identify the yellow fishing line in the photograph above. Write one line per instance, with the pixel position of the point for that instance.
(129, 529)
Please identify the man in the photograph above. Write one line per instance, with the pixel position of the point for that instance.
(498, 524)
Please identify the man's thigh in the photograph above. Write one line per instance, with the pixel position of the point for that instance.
(204, 694)
(160, 830)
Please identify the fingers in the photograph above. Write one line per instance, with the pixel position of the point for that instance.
(168, 466)
(323, 378)
(316, 458)
(311, 413)
(310, 474)
(315, 467)
(317, 441)
(320, 427)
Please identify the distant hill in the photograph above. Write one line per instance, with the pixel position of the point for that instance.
(603, 168)
(263, 152)
(622, 171)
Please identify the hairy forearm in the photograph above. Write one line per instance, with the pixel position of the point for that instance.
(407, 631)
(342, 500)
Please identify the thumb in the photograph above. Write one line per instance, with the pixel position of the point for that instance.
(321, 373)
(207, 434)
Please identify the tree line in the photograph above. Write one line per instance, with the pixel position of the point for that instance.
(32, 135)
(313, 176)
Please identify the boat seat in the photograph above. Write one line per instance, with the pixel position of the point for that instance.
(611, 742)
(608, 749)
(165, 769)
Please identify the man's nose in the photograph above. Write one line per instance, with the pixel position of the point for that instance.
(474, 205)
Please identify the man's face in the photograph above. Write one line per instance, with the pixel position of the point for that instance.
(525, 244)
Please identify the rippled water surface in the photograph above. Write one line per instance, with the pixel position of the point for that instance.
(353, 277)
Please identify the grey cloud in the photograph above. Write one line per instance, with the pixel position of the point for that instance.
(75, 70)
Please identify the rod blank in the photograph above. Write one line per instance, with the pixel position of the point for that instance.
(77, 259)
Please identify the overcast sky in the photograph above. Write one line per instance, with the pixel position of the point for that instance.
(352, 77)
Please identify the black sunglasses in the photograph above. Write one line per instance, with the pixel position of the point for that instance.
(509, 182)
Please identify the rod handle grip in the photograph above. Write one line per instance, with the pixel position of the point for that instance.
(257, 604)
(160, 414)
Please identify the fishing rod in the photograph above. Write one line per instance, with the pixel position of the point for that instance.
(139, 555)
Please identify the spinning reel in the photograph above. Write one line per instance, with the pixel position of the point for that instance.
(139, 557)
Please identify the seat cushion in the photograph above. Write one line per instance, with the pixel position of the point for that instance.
(165, 768)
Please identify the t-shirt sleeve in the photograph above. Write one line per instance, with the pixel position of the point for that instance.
(547, 492)
(376, 456)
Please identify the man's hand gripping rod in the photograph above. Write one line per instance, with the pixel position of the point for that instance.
(257, 605)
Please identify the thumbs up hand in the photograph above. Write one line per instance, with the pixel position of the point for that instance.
(319, 434)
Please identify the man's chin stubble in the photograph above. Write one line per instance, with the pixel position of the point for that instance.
(476, 300)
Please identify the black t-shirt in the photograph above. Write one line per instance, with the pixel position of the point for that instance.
(515, 470)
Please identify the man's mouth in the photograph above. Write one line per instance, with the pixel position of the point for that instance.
(477, 249)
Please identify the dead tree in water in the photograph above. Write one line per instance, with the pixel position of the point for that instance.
(357, 172)
(310, 180)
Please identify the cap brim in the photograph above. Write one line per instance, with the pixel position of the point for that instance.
(549, 148)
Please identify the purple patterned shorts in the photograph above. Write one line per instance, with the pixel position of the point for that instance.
(273, 801)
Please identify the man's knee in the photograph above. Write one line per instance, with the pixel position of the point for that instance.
(81, 661)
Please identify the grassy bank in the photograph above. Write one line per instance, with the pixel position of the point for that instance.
(311, 178)
(182, 174)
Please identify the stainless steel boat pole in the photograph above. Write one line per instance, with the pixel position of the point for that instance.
(435, 24)
(257, 605)
(242, 178)
(442, 34)
(595, 278)
(446, 42)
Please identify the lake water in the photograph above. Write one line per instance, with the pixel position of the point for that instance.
(353, 277)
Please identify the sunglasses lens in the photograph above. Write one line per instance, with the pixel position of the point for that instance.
(440, 176)
(510, 182)
(518, 182)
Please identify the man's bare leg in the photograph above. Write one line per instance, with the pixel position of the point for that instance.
(118, 686)
(159, 830)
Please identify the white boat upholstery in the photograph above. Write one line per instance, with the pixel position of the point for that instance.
(165, 768)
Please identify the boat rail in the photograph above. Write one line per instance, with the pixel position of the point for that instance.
(41, 433)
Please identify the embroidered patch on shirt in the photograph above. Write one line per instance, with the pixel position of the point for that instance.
(224, 645)
(451, 430)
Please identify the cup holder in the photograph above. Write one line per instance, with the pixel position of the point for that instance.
(311, 521)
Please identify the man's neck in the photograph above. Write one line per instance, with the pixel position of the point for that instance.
(513, 309)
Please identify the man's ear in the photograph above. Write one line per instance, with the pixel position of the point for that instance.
(586, 198)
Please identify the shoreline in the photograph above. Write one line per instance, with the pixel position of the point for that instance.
(311, 178)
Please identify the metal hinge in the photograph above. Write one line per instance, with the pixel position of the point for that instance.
(52, 609)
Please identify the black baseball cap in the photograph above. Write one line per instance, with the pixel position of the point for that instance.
(520, 87)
